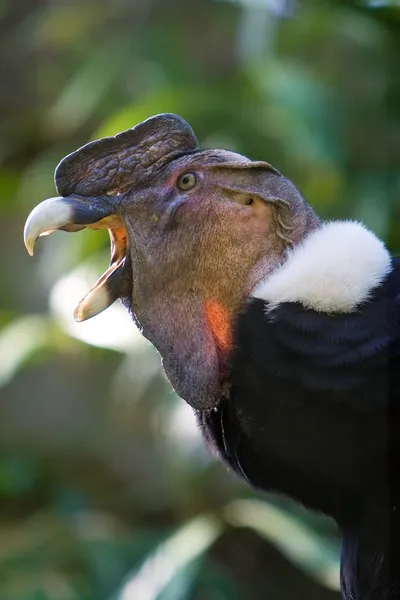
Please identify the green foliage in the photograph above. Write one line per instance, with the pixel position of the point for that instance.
(106, 490)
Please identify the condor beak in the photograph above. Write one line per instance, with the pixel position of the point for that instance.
(114, 164)
(73, 214)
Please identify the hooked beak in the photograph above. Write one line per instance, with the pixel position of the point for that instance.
(73, 214)
(88, 180)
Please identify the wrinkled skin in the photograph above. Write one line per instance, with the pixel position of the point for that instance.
(190, 247)
(187, 249)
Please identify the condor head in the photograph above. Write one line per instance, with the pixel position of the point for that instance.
(192, 233)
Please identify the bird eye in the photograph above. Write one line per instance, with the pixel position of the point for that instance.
(186, 181)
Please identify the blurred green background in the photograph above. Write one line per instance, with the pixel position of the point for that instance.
(106, 490)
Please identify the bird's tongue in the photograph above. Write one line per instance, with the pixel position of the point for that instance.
(91, 182)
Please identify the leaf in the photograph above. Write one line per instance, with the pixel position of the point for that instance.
(172, 559)
(299, 543)
(19, 341)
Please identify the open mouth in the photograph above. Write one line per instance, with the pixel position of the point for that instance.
(74, 214)
(89, 181)
(108, 287)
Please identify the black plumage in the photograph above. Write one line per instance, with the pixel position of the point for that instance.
(304, 380)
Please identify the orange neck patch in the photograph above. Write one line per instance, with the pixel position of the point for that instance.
(218, 318)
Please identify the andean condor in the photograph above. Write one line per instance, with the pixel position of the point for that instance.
(281, 331)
